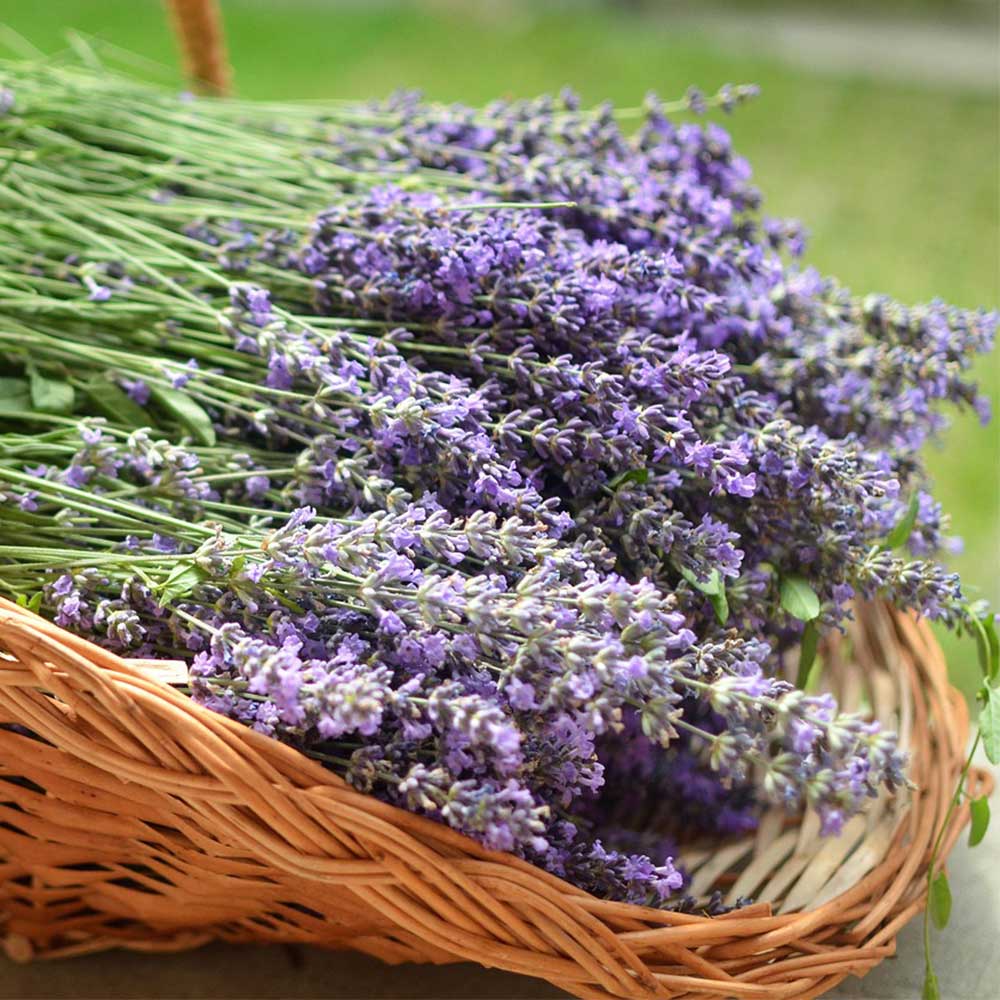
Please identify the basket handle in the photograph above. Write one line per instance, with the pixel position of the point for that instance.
(198, 27)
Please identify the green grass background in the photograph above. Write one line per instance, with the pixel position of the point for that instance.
(897, 183)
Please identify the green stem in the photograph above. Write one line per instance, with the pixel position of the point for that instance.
(936, 850)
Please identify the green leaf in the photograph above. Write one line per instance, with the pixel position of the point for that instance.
(940, 901)
(713, 585)
(114, 403)
(714, 588)
(720, 605)
(979, 810)
(639, 476)
(984, 631)
(50, 395)
(799, 599)
(32, 603)
(286, 601)
(15, 396)
(900, 535)
(183, 578)
(982, 646)
(989, 722)
(807, 654)
(188, 413)
(993, 645)
(931, 989)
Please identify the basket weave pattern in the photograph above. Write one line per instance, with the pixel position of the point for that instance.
(146, 821)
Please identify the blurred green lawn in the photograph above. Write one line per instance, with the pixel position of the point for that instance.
(897, 183)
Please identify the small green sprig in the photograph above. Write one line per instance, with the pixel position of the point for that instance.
(982, 625)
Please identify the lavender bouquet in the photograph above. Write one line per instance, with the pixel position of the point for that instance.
(493, 457)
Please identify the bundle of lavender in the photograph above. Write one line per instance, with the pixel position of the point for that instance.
(494, 457)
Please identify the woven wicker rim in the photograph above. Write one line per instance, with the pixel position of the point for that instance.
(146, 821)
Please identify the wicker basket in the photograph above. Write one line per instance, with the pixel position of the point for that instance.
(135, 818)
(142, 820)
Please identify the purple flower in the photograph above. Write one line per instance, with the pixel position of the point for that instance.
(256, 486)
(96, 292)
(179, 379)
(76, 476)
(137, 390)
